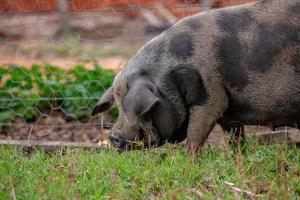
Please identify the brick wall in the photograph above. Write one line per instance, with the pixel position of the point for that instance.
(25, 6)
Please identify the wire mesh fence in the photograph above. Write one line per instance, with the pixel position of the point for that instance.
(57, 58)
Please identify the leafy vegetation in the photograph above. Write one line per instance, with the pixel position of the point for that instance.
(29, 92)
(271, 172)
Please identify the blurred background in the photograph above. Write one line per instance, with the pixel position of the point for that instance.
(69, 32)
(57, 57)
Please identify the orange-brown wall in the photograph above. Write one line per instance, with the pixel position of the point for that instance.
(23, 6)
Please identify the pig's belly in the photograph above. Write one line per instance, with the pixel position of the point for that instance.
(281, 115)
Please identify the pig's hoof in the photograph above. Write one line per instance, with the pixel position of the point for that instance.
(192, 149)
(182, 144)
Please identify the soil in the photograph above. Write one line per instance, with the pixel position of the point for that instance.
(56, 128)
(112, 63)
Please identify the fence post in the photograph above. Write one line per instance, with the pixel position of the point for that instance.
(62, 7)
(206, 4)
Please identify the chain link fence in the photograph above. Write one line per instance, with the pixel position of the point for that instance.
(57, 58)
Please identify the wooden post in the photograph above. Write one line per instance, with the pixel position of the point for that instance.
(62, 7)
(206, 5)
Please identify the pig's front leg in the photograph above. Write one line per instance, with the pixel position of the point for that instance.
(202, 119)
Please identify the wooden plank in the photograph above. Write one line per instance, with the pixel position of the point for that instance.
(279, 136)
(47, 146)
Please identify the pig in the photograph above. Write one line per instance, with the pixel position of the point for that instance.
(233, 66)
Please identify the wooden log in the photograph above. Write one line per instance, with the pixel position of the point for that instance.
(279, 136)
(48, 146)
(294, 135)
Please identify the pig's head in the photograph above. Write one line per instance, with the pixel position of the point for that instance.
(143, 114)
(135, 101)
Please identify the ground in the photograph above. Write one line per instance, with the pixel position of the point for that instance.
(56, 128)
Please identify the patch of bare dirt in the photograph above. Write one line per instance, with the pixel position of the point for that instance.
(54, 128)
(113, 63)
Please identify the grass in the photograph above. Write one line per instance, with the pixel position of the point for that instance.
(273, 171)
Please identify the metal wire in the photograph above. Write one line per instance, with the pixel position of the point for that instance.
(48, 99)
(16, 125)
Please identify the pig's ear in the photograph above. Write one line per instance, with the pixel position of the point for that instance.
(105, 102)
(138, 103)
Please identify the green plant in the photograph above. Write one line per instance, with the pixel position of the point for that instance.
(28, 92)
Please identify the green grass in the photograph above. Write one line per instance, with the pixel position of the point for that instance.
(166, 173)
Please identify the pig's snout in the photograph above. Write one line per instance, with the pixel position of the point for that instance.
(116, 141)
